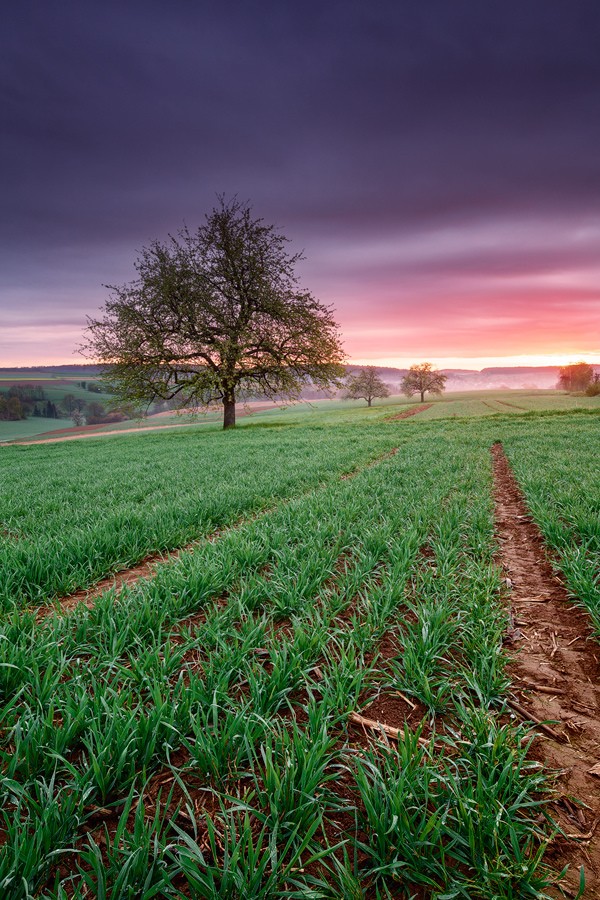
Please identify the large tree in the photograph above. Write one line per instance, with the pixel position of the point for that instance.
(576, 377)
(421, 379)
(216, 316)
(366, 385)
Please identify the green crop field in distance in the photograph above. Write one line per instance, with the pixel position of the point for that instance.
(30, 428)
(448, 406)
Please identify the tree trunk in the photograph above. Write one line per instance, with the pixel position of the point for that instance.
(369, 401)
(229, 410)
(422, 396)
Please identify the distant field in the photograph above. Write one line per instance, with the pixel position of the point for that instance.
(28, 428)
(451, 405)
(489, 403)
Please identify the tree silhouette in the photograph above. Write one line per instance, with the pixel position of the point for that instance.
(576, 377)
(421, 379)
(366, 385)
(216, 316)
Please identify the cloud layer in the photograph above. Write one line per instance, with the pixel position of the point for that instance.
(438, 162)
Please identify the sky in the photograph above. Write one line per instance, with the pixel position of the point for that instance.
(437, 161)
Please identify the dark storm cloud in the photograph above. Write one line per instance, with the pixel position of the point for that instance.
(343, 122)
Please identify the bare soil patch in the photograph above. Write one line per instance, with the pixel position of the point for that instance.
(409, 412)
(556, 677)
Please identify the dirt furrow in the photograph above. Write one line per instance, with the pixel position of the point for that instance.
(556, 678)
(409, 412)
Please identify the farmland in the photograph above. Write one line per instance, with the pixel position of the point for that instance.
(312, 699)
(450, 405)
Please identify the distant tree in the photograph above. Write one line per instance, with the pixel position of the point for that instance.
(576, 377)
(593, 388)
(94, 412)
(77, 416)
(421, 379)
(216, 316)
(366, 385)
(68, 402)
(11, 409)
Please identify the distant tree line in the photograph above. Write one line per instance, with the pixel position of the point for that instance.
(579, 378)
(11, 408)
(22, 401)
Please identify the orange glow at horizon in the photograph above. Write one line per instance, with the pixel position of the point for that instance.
(480, 362)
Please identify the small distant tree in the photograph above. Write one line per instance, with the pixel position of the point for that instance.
(68, 403)
(576, 377)
(421, 379)
(77, 416)
(593, 388)
(366, 385)
(15, 409)
(94, 412)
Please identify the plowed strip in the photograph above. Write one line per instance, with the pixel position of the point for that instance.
(409, 412)
(555, 649)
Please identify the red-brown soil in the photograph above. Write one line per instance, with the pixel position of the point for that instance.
(409, 412)
(556, 677)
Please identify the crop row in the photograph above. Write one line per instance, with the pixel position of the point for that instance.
(557, 466)
(71, 513)
(194, 738)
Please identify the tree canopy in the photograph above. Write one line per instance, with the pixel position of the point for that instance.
(216, 316)
(366, 385)
(421, 379)
(576, 377)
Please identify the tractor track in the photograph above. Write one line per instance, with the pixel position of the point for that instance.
(556, 680)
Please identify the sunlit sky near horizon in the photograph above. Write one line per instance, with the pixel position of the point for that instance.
(437, 162)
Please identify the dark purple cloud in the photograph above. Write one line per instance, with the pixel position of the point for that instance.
(401, 144)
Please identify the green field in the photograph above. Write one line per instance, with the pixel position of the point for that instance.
(30, 428)
(450, 405)
(193, 736)
(55, 387)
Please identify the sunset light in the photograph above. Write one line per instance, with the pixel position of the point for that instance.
(443, 193)
(299, 449)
